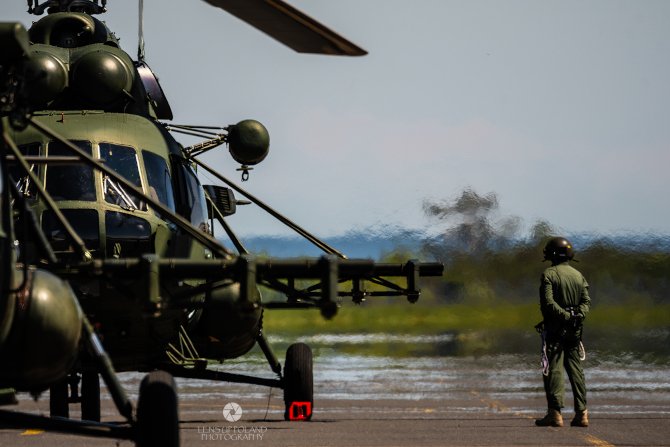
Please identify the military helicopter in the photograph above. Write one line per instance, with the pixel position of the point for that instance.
(105, 216)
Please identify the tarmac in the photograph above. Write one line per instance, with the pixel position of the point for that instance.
(405, 402)
(479, 421)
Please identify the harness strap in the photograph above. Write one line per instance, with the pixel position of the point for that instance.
(544, 358)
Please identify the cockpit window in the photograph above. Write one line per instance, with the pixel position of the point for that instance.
(84, 223)
(20, 178)
(127, 235)
(158, 176)
(123, 161)
(70, 181)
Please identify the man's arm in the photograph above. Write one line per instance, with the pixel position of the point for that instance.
(548, 305)
(585, 299)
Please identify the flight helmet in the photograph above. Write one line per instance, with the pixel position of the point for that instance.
(558, 249)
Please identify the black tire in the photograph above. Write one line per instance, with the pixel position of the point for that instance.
(157, 411)
(58, 399)
(90, 396)
(298, 383)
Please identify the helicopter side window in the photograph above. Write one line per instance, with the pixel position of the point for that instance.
(21, 179)
(158, 176)
(123, 161)
(70, 182)
(192, 198)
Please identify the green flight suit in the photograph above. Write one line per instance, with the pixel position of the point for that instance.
(563, 288)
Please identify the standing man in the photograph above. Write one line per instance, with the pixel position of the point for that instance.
(564, 302)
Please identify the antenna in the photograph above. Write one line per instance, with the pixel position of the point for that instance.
(140, 38)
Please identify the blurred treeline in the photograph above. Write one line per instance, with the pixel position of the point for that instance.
(489, 261)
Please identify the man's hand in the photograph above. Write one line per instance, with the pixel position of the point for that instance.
(576, 319)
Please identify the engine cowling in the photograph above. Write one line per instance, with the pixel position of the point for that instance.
(48, 77)
(102, 76)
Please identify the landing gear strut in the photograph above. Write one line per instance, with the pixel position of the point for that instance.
(59, 399)
(67, 391)
(90, 396)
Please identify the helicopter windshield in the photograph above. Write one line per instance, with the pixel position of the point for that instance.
(158, 176)
(123, 160)
(70, 182)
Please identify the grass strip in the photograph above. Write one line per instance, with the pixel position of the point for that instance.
(417, 319)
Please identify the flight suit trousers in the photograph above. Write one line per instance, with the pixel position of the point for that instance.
(567, 357)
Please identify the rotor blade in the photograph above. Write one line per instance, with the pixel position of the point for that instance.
(289, 26)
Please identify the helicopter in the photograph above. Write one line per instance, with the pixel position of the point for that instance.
(105, 219)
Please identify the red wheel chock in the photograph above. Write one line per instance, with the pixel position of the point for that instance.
(300, 411)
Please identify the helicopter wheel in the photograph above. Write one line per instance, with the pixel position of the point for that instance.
(90, 396)
(58, 399)
(298, 383)
(157, 413)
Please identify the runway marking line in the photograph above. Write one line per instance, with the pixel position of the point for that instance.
(594, 440)
(32, 432)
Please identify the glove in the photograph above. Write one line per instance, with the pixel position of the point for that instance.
(576, 319)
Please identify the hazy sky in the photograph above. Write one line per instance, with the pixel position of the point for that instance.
(562, 108)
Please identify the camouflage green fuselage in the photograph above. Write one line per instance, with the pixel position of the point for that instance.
(115, 224)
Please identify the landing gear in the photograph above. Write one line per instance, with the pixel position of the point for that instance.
(157, 414)
(67, 391)
(59, 399)
(298, 383)
(90, 396)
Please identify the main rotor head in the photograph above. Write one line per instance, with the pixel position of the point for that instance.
(86, 6)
